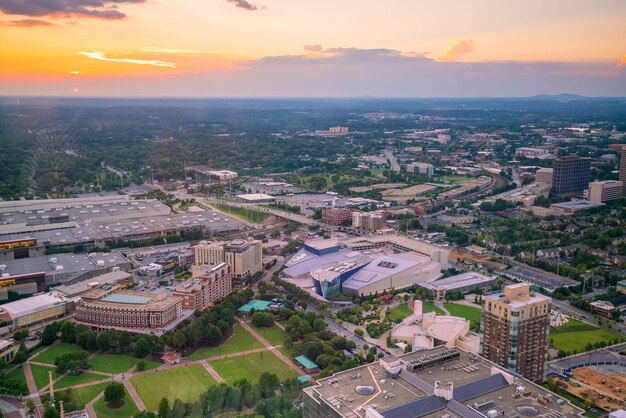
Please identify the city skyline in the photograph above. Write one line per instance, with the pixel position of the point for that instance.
(273, 48)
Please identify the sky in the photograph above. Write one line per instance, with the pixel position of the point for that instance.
(312, 48)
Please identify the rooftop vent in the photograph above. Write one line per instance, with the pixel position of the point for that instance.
(528, 411)
(364, 390)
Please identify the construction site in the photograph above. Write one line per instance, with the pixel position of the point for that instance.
(602, 385)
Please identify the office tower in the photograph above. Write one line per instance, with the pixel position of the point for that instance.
(603, 191)
(243, 256)
(570, 175)
(514, 330)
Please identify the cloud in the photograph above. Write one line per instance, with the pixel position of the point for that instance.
(458, 48)
(313, 48)
(244, 4)
(158, 50)
(26, 23)
(101, 9)
(622, 62)
(74, 72)
(102, 57)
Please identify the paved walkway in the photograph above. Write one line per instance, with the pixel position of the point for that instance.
(30, 381)
(134, 395)
(91, 413)
(212, 372)
(280, 355)
(443, 308)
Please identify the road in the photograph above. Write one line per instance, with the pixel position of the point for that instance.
(393, 161)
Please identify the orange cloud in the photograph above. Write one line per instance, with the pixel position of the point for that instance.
(26, 23)
(102, 57)
(458, 48)
(622, 62)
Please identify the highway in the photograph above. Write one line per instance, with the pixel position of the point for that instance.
(393, 161)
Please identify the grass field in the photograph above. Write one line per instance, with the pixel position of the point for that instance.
(112, 363)
(85, 377)
(17, 375)
(151, 364)
(55, 351)
(273, 335)
(455, 178)
(251, 366)
(248, 215)
(468, 312)
(240, 340)
(402, 311)
(128, 410)
(85, 394)
(575, 335)
(184, 383)
(40, 374)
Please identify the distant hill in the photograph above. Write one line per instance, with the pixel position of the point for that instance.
(562, 96)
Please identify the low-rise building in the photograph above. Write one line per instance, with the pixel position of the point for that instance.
(421, 168)
(531, 152)
(464, 283)
(602, 308)
(337, 216)
(135, 312)
(435, 383)
(35, 310)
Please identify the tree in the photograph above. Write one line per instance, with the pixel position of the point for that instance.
(68, 333)
(20, 335)
(50, 412)
(141, 366)
(164, 408)
(30, 407)
(268, 383)
(142, 348)
(49, 334)
(262, 319)
(114, 392)
(103, 341)
(125, 341)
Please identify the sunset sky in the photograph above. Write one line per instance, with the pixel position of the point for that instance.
(389, 48)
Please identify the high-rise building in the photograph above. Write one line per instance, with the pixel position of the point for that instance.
(243, 256)
(603, 191)
(622, 165)
(514, 330)
(370, 221)
(570, 175)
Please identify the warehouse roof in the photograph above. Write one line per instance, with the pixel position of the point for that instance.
(29, 305)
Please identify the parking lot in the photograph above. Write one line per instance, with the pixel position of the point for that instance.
(538, 278)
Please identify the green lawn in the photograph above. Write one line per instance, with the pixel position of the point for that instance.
(55, 351)
(83, 395)
(128, 410)
(575, 335)
(251, 366)
(17, 375)
(402, 311)
(151, 364)
(240, 340)
(248, 215)
(464, 311)
(85, 377)
(14, 383)
(184, 383)
(273, 334)
(455, 178)
(40, 374)
(112, 363)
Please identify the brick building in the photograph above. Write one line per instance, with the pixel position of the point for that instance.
(209, 284)
(337, 216)
(514, 330)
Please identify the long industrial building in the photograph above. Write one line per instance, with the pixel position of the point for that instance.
(436, 383)
(28, 230)
(32, 275)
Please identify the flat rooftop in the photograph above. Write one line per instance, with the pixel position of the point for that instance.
(385, 266)
(459, 281)
(29, 305)
(479, 386)
(62, 265)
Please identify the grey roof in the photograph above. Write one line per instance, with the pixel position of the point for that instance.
(417, 408)
(304, 261)
(480, 387)
(379, 269)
